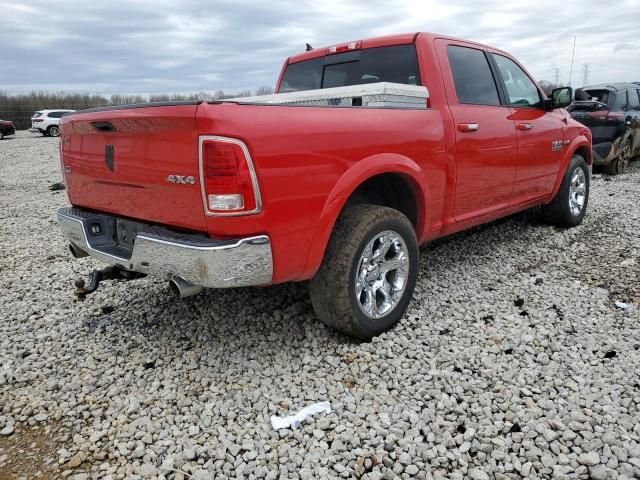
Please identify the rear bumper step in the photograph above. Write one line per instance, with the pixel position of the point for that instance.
(156, 250)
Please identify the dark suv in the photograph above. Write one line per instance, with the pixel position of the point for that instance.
(612, 112)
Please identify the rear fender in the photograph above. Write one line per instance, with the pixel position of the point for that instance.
(348, 183)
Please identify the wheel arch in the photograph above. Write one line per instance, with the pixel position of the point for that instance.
(580, 145)
(371, 169)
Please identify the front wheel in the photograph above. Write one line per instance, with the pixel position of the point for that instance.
(569, 206)
(367, 276)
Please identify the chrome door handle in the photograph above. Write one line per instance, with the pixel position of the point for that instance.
(525, 127)
(468, 127)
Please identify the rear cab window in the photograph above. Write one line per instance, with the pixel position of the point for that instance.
(472, 76)
(601, 96)
(395, 64)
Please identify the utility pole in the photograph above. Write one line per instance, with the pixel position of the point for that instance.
(573, 54)
(585, 74)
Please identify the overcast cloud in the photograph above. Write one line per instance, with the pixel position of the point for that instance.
(161, 46)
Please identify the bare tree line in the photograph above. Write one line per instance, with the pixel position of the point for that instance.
(19, 108)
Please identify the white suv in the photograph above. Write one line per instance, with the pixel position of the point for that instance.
(47, 121)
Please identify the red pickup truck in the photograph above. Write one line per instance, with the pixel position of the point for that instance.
(257, 192)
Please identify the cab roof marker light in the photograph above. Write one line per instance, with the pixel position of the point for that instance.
(345, 47)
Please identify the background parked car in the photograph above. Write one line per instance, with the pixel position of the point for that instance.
(6, 128)
(612, 112)
(47, 122)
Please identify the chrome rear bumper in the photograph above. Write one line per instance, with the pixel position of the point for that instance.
(159, 251)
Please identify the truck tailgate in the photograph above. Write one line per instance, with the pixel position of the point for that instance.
(119, 161)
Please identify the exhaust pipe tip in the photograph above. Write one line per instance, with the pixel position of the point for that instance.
(183, 289)
(76, 252)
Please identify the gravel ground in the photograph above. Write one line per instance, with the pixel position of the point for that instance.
(513, 360)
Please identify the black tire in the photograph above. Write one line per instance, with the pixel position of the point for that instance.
(559, 212)
(1, 136)
(333, 288)
(53, 131)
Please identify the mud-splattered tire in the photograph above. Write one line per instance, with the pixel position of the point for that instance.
(569, 206)
(368, 273)
(619, 164)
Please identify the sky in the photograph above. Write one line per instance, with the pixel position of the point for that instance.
(182, 46)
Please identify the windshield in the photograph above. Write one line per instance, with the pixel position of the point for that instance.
(396, 64)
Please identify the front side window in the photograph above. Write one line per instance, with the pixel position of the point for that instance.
(395, 64)
(472, 76)
(521, 91)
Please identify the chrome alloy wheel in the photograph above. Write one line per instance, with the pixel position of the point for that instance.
(577, 191)
(381, 276)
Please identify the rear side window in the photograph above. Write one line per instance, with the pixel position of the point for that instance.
(472, 76)
(620, 102)
(521, 91)
(56, 114)
(395, 64)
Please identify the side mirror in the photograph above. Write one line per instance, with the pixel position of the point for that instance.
(561, 97)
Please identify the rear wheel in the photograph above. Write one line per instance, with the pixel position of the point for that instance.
(619, 165)
(368, 273)
(53, 131)
(1, 135)
(569, 206)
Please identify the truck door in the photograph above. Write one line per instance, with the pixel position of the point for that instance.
(486, 142)
(540, 133)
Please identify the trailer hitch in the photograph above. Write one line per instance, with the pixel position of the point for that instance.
(96, 276)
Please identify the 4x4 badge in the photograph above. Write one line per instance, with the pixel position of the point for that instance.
(182, 179)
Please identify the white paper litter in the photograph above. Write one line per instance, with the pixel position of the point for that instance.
(294, 421)
(623, 305)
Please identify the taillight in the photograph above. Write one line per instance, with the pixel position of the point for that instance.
(616, 116)
(607, 115)
(228, 179)
(38, 120)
